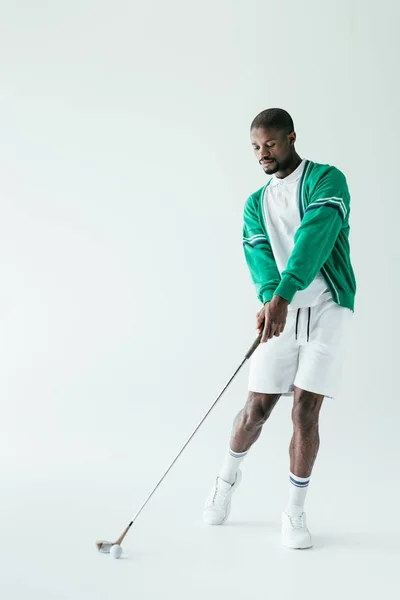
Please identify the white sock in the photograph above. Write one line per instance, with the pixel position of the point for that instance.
(297, 494)
(230, 465)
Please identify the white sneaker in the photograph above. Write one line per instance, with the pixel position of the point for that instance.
(218, 503)
(294, 532)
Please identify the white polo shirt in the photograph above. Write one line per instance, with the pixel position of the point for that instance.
(281, 210)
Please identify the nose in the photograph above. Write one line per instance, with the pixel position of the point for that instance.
(264, 156)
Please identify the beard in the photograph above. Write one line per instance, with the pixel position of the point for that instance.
(272, 169)
(277, 166)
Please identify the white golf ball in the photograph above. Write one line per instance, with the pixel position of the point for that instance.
(116, 551)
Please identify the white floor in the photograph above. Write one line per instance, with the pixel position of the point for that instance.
(50, 521)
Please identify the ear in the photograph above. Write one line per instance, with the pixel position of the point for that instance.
(292, 138)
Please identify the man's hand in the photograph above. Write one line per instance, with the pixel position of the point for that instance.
(260, 317)
(274, 318)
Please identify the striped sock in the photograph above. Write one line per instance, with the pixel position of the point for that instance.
(230, 465)
(297, 494)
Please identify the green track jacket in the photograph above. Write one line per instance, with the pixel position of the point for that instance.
(321, 241)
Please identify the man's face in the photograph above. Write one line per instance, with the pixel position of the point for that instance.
(273, 149)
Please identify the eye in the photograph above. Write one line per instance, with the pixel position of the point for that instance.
(271, 145)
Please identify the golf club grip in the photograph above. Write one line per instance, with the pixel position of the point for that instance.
(254, 347)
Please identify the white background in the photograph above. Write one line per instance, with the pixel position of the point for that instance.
(125, 301)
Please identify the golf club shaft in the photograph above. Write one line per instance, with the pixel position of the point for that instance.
(247, 356)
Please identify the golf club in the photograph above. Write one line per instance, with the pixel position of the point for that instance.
(105, 546)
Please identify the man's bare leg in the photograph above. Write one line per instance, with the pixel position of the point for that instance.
(305, 441)
(249, 422)
(303, 452)
(246, 430)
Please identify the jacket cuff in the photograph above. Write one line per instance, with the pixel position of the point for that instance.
(287, 288)
(266, 296)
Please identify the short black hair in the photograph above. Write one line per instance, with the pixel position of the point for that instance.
(273, 118)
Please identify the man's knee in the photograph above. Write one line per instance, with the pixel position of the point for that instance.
(306, 408)
(258, 408)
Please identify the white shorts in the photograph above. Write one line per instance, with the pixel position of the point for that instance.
(308, 354)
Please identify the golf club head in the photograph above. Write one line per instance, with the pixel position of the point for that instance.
(104, 546)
